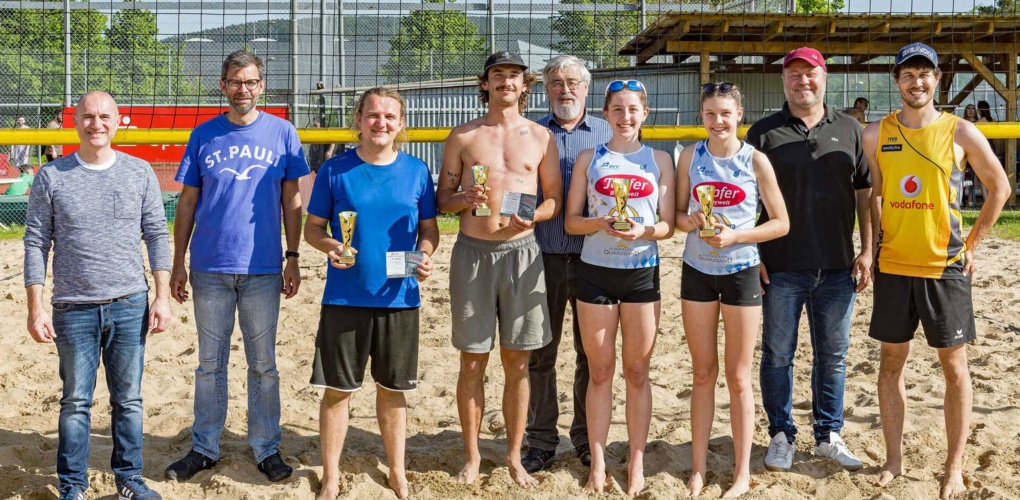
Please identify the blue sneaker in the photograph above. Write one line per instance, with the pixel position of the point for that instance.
(134, 488)
(70, 492)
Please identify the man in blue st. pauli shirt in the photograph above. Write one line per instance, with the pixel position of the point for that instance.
(240, 173)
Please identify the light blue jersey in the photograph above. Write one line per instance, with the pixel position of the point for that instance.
(736, 199)
(600, 248)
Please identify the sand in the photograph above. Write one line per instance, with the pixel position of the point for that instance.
(31, 391)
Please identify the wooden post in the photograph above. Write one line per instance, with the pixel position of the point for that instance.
(1011, 110)
(706, 76)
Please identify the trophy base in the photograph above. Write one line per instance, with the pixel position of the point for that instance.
(708, 233)
(622, 226)
(482, 211)
(345, 259)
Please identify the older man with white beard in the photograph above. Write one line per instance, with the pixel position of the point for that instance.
(566, 86)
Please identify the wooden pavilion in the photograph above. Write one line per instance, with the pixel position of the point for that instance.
(967, 44)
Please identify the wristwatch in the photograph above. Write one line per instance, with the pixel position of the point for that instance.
(289, 254)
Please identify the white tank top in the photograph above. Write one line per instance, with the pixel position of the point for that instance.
(601, 249)
(736, 200)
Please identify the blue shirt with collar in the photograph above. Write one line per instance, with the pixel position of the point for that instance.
(589, 133)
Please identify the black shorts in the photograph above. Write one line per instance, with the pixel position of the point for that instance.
(742, 288)
(607, 285)
(942, 306)
(348, 336)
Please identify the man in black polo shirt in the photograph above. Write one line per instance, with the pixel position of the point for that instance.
(822, 172)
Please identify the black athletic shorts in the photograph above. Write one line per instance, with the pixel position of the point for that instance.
(942, 306)
(607, 285)
(348, 336)
(742, 288)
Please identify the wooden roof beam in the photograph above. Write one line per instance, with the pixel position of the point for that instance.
(873, 49)
(922, 35)
(720, 30)
(966, 90)
(655, 47)
(774, 29)
(987, 74)
(984, 30)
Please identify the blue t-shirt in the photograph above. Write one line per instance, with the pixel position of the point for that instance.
(240, 170)
(390, 201)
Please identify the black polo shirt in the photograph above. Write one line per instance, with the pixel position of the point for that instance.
(818, 171)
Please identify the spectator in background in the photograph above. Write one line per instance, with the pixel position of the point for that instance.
(54, 151)
(319, 153)
(20, 188)
(19, 154)
(860, 110)
(984, 111)
(970, 113)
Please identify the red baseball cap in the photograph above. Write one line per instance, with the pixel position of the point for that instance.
(806, 54)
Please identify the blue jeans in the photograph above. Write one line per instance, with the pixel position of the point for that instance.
(114, 332)
(256, 300)
(829, 297)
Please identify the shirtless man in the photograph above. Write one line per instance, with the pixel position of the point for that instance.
(496, 268)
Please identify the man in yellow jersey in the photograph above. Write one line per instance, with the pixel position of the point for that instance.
(923, 264)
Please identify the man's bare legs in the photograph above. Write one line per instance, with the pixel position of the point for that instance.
(515, 411)
(640, 322)
(741, 326)
(598, 334)
(334, 414)
(892, 401)
(958, 403)
(391, 412)
(470, 403)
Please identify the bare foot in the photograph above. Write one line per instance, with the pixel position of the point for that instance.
(521, 476)
(889, 472)
(740, 486)
(635, 483)
(952, 484)
(469, 473)
(695, 484)
(596, 481)
(329, 491)
(397, 482)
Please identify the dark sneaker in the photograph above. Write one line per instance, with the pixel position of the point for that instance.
(192, 464)
(134, 488)
(537, 459)
(275, 468)
(584, 453)
(72, 493)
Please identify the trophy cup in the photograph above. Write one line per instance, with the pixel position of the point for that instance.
(347, 234)
(621, 191)
(706, 195)
(480, 174)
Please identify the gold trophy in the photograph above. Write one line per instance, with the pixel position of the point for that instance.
(347, 234)
(480, 174)
(706, 195)
(621, 191)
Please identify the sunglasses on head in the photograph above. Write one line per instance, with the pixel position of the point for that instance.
(618, 85)
(712, 88)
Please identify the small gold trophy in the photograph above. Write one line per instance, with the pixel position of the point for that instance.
(347, 234)
(480, 174)
(621, 191)
(706, 195)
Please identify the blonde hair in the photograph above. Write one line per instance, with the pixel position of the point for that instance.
(401, 138)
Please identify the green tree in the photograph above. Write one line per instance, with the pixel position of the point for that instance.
(597, 35)
(819, 6)
(1000, 7)
(434, 44)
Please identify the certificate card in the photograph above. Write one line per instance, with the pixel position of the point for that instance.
(403, 264)
(521, 204)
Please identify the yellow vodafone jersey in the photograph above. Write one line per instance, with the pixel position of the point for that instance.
(921, 184)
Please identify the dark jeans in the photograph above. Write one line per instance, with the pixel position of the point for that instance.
(544, 408)
(829, 298)
(113, 332)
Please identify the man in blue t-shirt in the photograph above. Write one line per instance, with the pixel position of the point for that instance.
(240, 173)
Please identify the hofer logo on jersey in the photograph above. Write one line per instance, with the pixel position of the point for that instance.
(639, 186)
(910, 186)
(726, 194)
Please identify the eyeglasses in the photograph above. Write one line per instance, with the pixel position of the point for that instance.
(558, 85)
(618, 85)
(236, 84)
(713, 88)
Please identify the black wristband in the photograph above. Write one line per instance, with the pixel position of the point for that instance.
(289, 253)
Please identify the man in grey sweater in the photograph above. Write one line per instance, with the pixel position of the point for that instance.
(93, 209)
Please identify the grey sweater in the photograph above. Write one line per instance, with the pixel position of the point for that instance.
(95, 222)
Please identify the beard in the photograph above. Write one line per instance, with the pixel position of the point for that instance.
(241, 108)
(567, 110)
(917, 102)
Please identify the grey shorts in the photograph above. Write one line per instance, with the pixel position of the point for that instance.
(498, 279)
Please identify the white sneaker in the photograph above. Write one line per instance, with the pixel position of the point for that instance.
(836, 450)
(780, 455)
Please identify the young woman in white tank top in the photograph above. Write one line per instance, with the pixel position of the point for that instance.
(629, 257)
(725, 267)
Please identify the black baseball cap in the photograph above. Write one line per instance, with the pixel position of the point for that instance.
(504, 57)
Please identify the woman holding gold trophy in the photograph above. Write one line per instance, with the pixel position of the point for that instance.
(627, 189)
(719, 181)
(379, 205)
